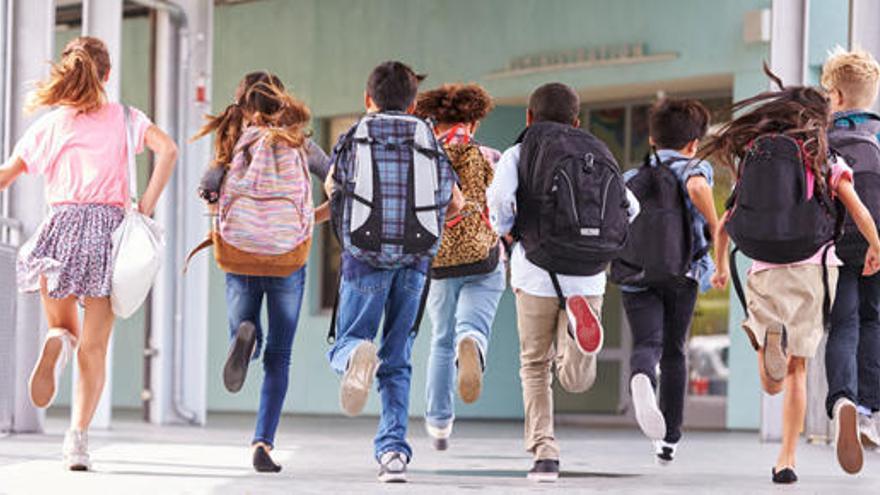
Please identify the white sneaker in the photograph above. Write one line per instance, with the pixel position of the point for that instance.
(846, 436)
(57, 348)
(870, 435)
(439, 436)
(76, 451)
(665, 452)
(648, 415)
(358, 378)
(392, 467)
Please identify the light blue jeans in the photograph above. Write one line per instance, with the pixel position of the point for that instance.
(458, 307)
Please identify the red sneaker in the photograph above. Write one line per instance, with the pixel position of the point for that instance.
(584, 325)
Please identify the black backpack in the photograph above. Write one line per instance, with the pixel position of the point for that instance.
(857, 145)
(660, 247)
(770, 218)
(571, 201)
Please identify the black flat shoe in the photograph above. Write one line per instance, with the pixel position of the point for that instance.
(784, 477)
(235, 369)
(263, 462)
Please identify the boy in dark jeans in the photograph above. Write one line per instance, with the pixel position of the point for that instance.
(660, 317)
(852, 355)
(389, 220)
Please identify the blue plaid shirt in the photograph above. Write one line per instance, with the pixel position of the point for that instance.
(393, 165)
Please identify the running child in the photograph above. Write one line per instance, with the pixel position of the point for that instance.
(852, 355)
(391, 187)
(259, 181)
(560, 192)
(666, 265)
(80, 149)
(468, 274)
(784, 215)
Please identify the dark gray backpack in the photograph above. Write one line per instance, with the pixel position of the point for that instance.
(856, 142)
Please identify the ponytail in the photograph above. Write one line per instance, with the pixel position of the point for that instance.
(77, 81)
(228, 127)
(260, 101)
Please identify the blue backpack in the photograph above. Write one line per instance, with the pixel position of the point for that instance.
(393, 183)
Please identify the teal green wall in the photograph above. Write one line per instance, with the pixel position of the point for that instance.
(324, 49)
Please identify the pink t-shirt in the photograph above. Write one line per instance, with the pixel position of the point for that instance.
(83, 157)
(839, 171)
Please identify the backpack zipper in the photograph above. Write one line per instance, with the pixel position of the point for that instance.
(605, 198)
(568, 180)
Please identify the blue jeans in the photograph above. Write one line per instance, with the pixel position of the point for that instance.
(852, 356)
(244, 300)
(363, 299)
(459, 307)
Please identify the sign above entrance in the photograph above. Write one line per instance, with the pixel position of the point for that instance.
(581, 58)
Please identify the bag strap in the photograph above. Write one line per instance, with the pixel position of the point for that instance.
(558, 288)
(202, 246)
(423, 303)
(826, 299)
(129, 146)
(737, 283)
(331, 334)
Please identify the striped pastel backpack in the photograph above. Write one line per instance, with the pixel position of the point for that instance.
(265, 220)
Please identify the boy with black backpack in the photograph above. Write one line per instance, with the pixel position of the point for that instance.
(392, 186)
(852, 355)
(665, 264)
(560, 192)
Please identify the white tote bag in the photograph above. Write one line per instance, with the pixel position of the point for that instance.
(138, 243)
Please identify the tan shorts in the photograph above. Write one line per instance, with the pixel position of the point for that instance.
(791, 296)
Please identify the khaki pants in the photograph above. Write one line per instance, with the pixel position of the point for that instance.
(544, 341)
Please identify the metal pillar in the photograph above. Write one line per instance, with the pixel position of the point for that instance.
(103, 19)
(178, 387)
(29, 43)
(788, 59)
(864, 16)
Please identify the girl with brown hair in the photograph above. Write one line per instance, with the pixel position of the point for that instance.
(79, 147)
(259, 182)
(782, 134)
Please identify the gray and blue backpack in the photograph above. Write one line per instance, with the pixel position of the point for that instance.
(854, 138)
(393, 183)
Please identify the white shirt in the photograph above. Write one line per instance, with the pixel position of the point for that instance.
(525, 275)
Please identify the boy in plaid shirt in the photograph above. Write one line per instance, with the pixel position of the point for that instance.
(367, 290)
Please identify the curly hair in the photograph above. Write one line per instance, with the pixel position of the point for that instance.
(454, 104)
(855, 74)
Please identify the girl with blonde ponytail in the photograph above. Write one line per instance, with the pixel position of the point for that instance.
(79, 147)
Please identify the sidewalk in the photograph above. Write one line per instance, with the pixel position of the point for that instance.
(333, 455)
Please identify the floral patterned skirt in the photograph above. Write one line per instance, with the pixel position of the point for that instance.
(73, 249)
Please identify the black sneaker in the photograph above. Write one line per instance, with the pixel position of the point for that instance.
(392, 467)
(544, 471)
(784, 476)
(240, 352)
(263, 462)
(665, 452)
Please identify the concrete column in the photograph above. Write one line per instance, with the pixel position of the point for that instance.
(788, 59)
(30, 37)
(103, 19)
(180, 304)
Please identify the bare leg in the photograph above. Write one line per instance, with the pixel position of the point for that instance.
(794, 411)
(769, 385)
(60, 313)
(91, 356)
